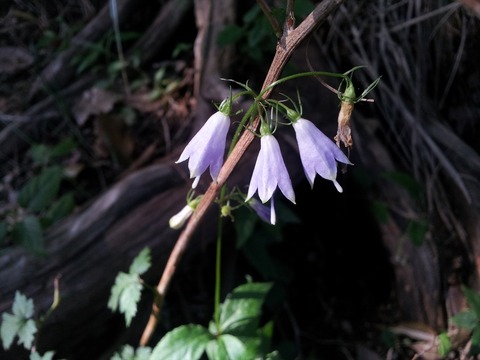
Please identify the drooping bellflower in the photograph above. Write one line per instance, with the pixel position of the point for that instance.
(207, 147)
(269, 172)
(319, 154)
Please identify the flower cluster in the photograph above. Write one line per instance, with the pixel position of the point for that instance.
(318, 154)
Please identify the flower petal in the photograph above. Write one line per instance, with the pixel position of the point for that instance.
(207, 147)
(318, 153)
(270, 171)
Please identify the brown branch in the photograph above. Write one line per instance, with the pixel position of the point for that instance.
(285, 48)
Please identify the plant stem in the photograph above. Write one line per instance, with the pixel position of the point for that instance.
(218, 267)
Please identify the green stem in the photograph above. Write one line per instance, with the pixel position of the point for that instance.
(295, 76)
(218, 261)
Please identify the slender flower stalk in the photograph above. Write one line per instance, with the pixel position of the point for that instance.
(207, 147)
(319, 154)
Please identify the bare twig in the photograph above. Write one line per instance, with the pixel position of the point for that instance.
(285, 48)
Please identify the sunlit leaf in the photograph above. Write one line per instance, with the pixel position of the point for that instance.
(444, 344)
(125, 294)
(240, 313)
(128, 352)
(47, 356)
(141, 263)
(19, 323)
(187, 342)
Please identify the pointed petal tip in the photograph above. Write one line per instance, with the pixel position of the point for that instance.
(337, 186)
(195, 182)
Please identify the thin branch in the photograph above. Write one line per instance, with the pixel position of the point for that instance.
(272, 19)
(285, 48)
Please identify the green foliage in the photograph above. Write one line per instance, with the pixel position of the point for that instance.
(40, 190)
(129, 353)
(19, 324)
(236, 337)
(254, 237)
(126, 292)
(470, 318)
(38, 203)
(187, 342)
(47, 356)
(444, 344)
(255, 37)
(28, 233)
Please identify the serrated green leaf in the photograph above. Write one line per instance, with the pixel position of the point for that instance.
(466, 319)
(187, 342)
(141, 263)
(9, 329)
(29, 234)
(444, 344)
(47, 356)
(240, 313)
(19, 324)
(129, 353)
(40, 190)
(125, 294)
(26, 333)
(473, 299)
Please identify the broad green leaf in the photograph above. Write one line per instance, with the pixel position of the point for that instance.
(130, 353)
(473, 299)
(40, 191)
(227, 347)
(19, 323)
(141, 263)
(47, 356)
(240, 313)
(125, 295)
(466, 319)
(186, 342)
(444, 344)
(28, 233)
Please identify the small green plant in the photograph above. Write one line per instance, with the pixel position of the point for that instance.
(469, 319)
(21, 325)
(39, 202)
(236, 335)
(127, 290)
